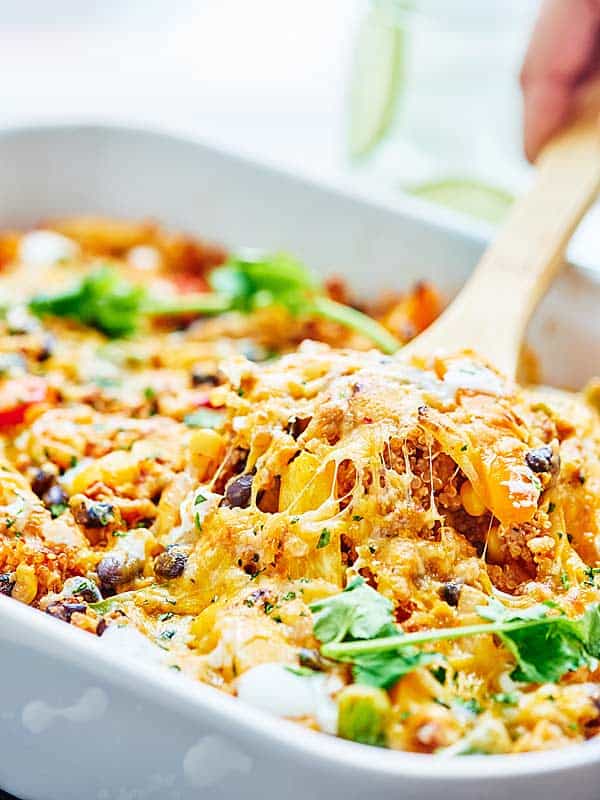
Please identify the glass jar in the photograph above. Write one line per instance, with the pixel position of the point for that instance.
(435, 100)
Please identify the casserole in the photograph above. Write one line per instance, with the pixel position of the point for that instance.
(119, 172)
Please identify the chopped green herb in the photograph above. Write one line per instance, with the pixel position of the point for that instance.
(471, 705)
(551, 507)
(324, 539)
(166, 616)
(356, 517)
(439, 673)
(464, 448)
(56, 509)
(289, 596)
(590, 575)
(198, 521)
(507, 698)
(564, 579)
(199, 499)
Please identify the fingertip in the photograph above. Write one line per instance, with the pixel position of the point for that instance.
(546, 109)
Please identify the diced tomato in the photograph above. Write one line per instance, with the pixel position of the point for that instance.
(202, 400)
(189, 282)
(19, 394)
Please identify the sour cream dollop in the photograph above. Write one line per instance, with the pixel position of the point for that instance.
(44, 248)
(278, 690)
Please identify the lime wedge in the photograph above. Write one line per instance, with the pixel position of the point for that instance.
(376, 79)
(467, 196)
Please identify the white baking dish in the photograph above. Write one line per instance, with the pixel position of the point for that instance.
(79, 720)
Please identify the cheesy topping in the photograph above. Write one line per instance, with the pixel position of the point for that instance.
(405, 554)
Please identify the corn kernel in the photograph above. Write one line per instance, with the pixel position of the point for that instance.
(218, 396)
(118, 467)
(206, 442)
(26, 584)
(203, 630)
(78, 479)
(471, 502)
(495, 549)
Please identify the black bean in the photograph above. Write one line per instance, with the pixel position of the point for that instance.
(55, 496)
(84, 588)
(451, 592)
(64, 610)
(297, 425)
(6, 583)
(42, 481)
(114, 569)
(204, 379)
(239, 492)
(101, 627)
(540, 459)
(95, 515)
(171, 563)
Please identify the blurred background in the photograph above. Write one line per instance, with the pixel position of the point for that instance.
(389, 96)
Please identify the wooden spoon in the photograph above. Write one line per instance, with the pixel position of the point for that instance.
(491, 313)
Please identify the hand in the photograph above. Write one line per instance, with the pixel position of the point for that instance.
(564, 53)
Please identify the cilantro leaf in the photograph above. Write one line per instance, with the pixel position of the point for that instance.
(258, 280)
(359, 612)
(386, 668)
(101, 299)
(546, 651)
(545, 643)
(590, 629)
(254, 280)
(106, 300)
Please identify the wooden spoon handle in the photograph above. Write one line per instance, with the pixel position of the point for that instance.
(491, 313)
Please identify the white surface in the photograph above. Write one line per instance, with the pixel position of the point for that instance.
(159, 733)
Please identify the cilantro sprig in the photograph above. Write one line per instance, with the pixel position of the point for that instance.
(357, 627)
(357, 615)
(107, 301)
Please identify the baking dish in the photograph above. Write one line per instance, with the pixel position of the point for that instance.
(76, 716)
